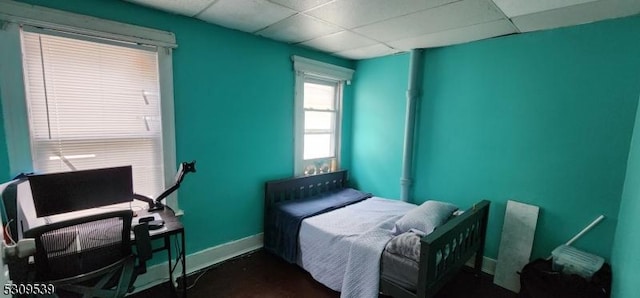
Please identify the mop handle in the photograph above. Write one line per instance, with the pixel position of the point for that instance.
(585, 230)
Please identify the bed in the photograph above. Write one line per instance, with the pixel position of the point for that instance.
(346, 241)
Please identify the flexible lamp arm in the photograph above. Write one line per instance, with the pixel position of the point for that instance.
(183, 169)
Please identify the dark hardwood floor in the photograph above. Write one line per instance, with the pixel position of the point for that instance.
(261, 274)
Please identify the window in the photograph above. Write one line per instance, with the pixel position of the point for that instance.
(318, 115)
(93, 105)
(80, 92)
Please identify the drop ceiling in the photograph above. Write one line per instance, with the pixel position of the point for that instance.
(361, 29)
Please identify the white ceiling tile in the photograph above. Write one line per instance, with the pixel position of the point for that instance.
(341, 41)
(184, 7)
(456, 15)
(455, 36)
(354, 13)
(298, 28)
(577, 14)
(367, 52)
(245, 15)
(513, 8)
(398, 25)
(624, 8)
(300, 5)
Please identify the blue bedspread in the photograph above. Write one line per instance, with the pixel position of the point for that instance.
(284, 219)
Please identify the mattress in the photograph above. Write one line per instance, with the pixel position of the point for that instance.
(400, 270)
(400, 259)
(325, 239)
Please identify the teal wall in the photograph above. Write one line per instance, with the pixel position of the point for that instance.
(234, 98)
(626, 247)
(378, 124)
(4, 161)
(543, 118)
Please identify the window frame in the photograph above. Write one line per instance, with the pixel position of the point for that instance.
(12, 85)
(308, 70)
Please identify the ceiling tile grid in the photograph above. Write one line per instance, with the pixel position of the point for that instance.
(242, 15)
(342, 12)
(456, 36)
(300, 5)
(514, 8)
(456, 15)
(184, 7)
(298, 28)
(361, 29)
(376, 50)
(340, 41)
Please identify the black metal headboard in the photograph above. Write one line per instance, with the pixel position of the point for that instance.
(303, 187)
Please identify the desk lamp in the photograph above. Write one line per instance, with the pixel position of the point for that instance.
(155, 205)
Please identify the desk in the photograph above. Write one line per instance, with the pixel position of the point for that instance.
(26, 219)
(173, 228)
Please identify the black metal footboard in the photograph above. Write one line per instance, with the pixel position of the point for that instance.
(445, 251)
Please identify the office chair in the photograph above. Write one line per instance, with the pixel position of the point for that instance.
(90, 256)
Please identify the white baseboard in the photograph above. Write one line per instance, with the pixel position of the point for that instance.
(214, 255)
(488, 264)
(158, 274)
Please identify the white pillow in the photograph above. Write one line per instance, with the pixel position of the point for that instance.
(426, 217)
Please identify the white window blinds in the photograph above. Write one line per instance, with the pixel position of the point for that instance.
(94, 104)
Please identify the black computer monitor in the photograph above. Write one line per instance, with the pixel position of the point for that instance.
(72, 191)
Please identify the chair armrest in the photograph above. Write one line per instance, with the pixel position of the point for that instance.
(143, 246)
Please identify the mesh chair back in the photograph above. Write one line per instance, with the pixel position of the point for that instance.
(76, 247)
